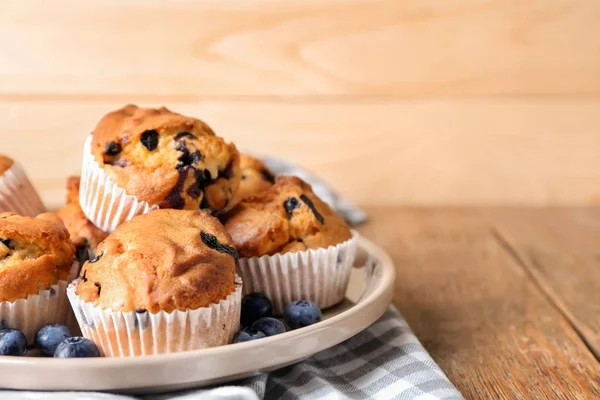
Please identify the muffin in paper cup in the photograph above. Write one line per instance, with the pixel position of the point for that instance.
(140, 159)
(48, 306)
(104, 203)
(16, 191)
(292, 245)
(318, 275)
(139, 332)
(162, 282)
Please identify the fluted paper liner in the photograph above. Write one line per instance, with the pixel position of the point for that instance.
(320, 276)
(136, 333)
(17, 193)
(103, 202)
(48, 306)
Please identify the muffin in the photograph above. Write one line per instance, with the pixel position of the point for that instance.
(140, 159)
(36, 265)
(85, 236)
(256, 177)
(162, 282)
(292, 245)
(16, 191)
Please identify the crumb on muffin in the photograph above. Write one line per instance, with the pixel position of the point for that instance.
(167, 159)
(288, 217)
(35, 253)
(161, 261)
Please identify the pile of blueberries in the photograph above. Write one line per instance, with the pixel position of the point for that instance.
(52, 340)
(257, 320)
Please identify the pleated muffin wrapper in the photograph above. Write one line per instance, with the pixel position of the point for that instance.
(17, 194)
(49, 306)
(105, 203)
(137, 333)
(320, 275)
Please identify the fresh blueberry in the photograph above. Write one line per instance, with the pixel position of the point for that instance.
(76, 347)
(49, 337)
(247, 335)
(299, 314)
(269, 326)
(254, 307)
(12, 343)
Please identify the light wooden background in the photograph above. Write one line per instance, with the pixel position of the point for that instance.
(392, 101)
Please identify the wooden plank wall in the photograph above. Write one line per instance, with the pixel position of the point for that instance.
(392, 101)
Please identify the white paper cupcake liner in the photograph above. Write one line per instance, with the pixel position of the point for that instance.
(49, 306)
(136, 333)
(17, 193)
(103, 202)
(320, 276)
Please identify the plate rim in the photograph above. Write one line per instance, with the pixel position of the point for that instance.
(384, 288)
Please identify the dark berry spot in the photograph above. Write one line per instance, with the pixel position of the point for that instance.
(52, 292)
(97, 258)
(310, 205)
(244, 177)
(140, 310)
(5, 242)
(290, 205)
(174, 199)
(99, 286)
(182, 135)
(212, 242)
(267, 175)
(83, 277)
(150, 139)
(112, 149)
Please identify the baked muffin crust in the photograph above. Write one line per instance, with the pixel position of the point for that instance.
(5, 163)
(256, 177)
(34, 254)
(288, 217)
(167, 159)
(82, 231)
(161, 261)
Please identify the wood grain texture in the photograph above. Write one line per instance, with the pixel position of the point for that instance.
(477, 312)
(189, 49)
(385, 152)
(560, 248)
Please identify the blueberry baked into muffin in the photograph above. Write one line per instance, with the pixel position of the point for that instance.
(160, 159)
(85, 236)
(16, 191)
(256, 177)
(36, 263)
(292, 245)
(174, 266)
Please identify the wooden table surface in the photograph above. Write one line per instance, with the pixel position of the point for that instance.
(507, 301)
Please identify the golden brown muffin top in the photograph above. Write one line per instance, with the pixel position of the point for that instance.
(167, 159)
(5, 163)
(256, 177)
(34, 254)
(288, 217)
(161, 261)
(83, 232)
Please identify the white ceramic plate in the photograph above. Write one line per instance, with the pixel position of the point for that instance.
(368, 296)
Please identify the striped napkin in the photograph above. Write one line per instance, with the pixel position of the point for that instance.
(386, 361)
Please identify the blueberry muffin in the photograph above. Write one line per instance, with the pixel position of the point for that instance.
(166, 159)
(288, 217)
(36, 263)
(175, 265)
(256, 177)
(35, 253)
(17, 194)
(85, 236)
(292, 245)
